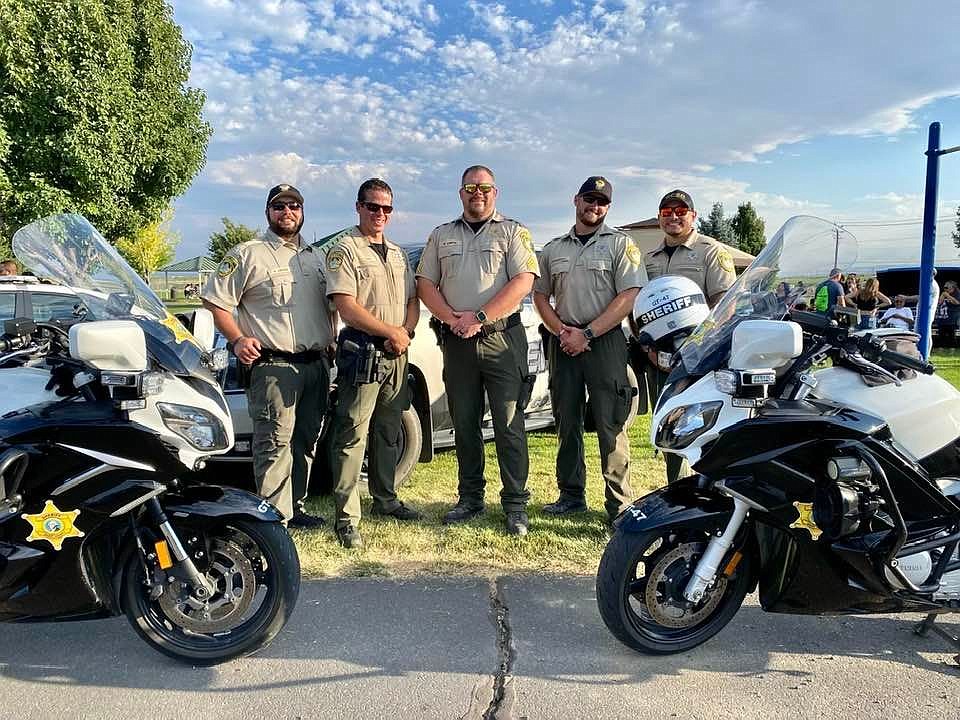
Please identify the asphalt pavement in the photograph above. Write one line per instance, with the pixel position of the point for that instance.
(511, 648)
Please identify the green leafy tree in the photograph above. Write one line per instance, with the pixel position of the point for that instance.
(233, 234)
(956, 229)
(95, 114)
(150, 248)
(716, 225)
(748, 229)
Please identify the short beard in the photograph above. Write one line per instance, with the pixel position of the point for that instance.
(279, 232)
(583, 221)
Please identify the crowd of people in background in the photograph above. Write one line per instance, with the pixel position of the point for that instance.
(876, 310)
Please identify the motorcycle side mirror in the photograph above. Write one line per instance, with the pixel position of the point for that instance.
(765, 344)
(203, 328)
(111, 345)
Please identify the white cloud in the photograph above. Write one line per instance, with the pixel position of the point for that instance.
(653, 95)
(259, 171)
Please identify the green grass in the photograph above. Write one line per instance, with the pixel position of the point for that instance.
(177, 306)
(947, 361)
(566, 545)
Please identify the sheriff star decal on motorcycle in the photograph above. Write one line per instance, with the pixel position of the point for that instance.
(805, 519)
(53, 525)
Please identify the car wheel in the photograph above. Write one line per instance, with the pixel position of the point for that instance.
(411, 443)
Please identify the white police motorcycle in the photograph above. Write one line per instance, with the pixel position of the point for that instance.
(826, 466)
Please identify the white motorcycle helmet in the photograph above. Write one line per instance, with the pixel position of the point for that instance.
(666, 311)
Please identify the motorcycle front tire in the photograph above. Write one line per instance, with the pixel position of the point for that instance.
(621, 592)
(255, 556)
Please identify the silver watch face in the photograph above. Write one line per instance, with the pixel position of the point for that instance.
(481, 316)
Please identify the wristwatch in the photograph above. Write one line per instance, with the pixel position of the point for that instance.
(481, 316)
(588, 333)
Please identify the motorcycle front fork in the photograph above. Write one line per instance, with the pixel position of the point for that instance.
(202, 589)
(717, 548)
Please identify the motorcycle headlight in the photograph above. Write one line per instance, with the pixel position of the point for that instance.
(685, 424)
(198, 427)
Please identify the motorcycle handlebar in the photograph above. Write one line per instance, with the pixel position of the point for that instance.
(875, 348)
(918, 364)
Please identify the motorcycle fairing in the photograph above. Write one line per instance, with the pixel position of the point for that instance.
(680, 503)
(196, 504)
(802, 577)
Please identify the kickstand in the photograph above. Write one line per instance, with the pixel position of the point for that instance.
(922, 628)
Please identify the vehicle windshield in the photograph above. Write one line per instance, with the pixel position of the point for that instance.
(68, 249)
(783, 276)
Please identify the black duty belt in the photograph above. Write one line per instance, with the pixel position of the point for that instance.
(307, 356)
(491, 328)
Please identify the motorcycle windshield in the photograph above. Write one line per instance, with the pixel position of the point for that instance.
(68, 249)
(783, 276)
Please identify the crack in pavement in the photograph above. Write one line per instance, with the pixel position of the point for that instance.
(501, 706)
(495, 701)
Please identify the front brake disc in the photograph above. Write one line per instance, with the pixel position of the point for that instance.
(234, 580)
(666, 582)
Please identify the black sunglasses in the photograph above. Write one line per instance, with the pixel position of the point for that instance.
(281, 206)
(375, 208)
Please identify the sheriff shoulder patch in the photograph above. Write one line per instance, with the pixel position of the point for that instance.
(335, 260)
(526, 238)
(633, 253)
(725, 260)
(227, 266)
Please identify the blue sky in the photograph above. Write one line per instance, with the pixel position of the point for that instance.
(816, 107)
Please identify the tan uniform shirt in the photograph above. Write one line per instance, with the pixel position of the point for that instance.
(354, 268)
(701, 258)
(585, 278)
(278, 292)
(470, 268)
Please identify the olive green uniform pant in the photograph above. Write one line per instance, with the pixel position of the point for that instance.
(286, 402)
(374, 410)
(677, 466)
(498, 365)
(602, 370)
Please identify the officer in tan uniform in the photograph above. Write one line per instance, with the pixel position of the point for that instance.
(282, 329)
(473, 275)
(370, 280)
(686, 252)
(698, 257)
(593, 273)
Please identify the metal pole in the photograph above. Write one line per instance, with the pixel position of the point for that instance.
(836, 244)
(925, 305)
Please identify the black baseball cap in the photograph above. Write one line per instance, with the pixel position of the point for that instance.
(284, 190)
(597, 185)
(680, 196)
